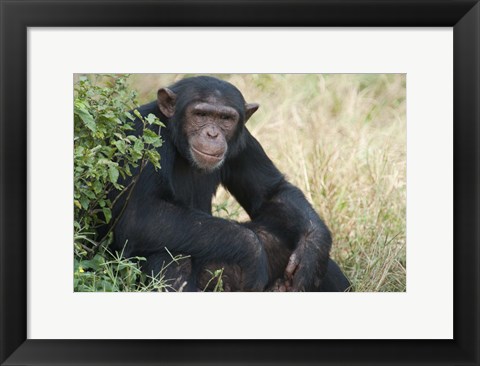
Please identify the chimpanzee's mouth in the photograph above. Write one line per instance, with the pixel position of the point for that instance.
(218, 156)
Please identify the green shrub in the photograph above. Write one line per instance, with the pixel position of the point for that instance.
(107, 149)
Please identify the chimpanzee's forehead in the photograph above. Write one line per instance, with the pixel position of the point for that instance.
(207, 85)
(225, 91)
(216, 93)
(208, 94)
(209, 90)
(218, 96)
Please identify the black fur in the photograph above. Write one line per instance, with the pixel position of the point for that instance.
(171, 208)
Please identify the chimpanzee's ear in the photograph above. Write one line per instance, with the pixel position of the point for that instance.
(166, 101)
(250, 108)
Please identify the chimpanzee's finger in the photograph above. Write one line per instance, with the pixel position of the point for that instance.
(288, 285)
(301, 278)
(292, 266)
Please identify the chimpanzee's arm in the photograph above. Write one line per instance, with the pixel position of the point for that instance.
(282, 209)
(151, 223)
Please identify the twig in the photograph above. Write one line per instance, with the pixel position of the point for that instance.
(122, 192)
(119, 216)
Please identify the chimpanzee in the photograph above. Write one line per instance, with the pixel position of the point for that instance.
(285, 246)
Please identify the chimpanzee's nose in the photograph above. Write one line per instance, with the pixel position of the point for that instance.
(212, 132)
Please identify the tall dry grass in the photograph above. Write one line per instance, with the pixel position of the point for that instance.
(341, 138)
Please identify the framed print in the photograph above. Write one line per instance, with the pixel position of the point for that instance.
(428, 54)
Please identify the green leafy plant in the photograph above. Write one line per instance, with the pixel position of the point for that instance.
(111, 272)
(110, 153)
(107, 149)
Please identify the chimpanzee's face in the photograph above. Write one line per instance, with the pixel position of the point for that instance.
(207, 116)
(209, 125)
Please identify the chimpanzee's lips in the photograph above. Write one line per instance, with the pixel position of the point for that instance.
(218, 156)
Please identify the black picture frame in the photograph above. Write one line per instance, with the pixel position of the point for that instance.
(18, 15)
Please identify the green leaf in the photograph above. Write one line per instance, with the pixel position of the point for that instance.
(130, 116)
(105, 286)
(90, 194)
(149, 133)
(127, 170)
(150, 137)
(98, 260)
(109, 115)
(97, 186)
(104, 161)
(121, 146)
(154, 158)
(84, 201)
(151, 118)
(127, 127)
(157, 143)
(138, 146)
(113, 173)
(108, 214)
(82, 112)
(159, 123)
(79, 151)
(137, 113)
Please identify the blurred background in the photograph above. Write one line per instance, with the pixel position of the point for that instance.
(341, 138)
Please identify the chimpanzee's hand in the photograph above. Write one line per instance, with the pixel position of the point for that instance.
(255, 265)
(281, 285)
(308, 263)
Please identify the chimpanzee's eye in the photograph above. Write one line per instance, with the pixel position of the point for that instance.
(201, 114)
(225, 116)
